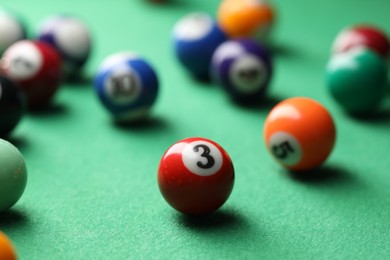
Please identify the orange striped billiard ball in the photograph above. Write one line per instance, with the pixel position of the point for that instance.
(246, 18)
(299, 133)
(7, 251)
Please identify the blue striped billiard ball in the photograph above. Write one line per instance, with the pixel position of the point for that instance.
(195, 38)
(127, 86)
(243, 68)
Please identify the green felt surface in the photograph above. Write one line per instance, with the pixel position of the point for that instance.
(92, 191)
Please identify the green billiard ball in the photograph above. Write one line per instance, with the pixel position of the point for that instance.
(357, 80)
(13, 175)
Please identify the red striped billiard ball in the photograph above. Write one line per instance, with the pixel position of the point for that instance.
(196, 176)
(366, 36)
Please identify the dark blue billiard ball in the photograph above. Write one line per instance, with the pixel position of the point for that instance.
(70, 37)
(127, 86)
(243, 68)
(195, 38)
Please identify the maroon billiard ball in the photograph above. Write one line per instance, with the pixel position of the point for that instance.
(35, 67)
(196, 176)
(366, 36)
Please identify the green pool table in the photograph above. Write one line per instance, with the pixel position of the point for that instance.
(92, 188)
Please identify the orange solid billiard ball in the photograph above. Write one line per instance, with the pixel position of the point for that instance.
(299, 133)
(7, 251)
(246, 18)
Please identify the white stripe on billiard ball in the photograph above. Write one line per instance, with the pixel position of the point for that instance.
(193, 27)
(117, 58)
(18, 55)
(285, 148)
(10, 30)
(245, 64)
(191, 158)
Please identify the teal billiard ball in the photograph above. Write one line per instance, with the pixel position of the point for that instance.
(13, 175)
(127, 86)
(195, 38)
(357, 80)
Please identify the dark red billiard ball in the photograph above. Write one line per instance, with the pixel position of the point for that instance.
(35, 67)
(196, 176)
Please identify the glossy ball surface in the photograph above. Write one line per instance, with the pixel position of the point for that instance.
(195, 38)
(196, 176)
(70, 37)
(246, 18)
(357, 80)
(127, 85)
(299, 133)
(12, 29)
(12, 106)
(243, 68)
(13, 175)
(363, 36)
(7, 251)
(36, 68)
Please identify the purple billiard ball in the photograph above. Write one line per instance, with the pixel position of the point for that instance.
(71, 38)
(195, 38)
(243, 68)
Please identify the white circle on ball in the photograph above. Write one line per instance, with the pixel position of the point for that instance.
(22, 60)
(285, 148)
(72, 37)
(10, 30)
(248, 74)
(193, 27)
(202, 158)
(122, 86)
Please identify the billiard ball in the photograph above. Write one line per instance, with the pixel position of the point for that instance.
(367, 36)
(12, 29)
(70, 37)
(12, 105)
(357, 80)
(243, 68)
(196, 176)
(299, 133)
(13, 175)
(7, 251)
(127, 86)
(195, 38)
(36, 68)
(246, 18)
